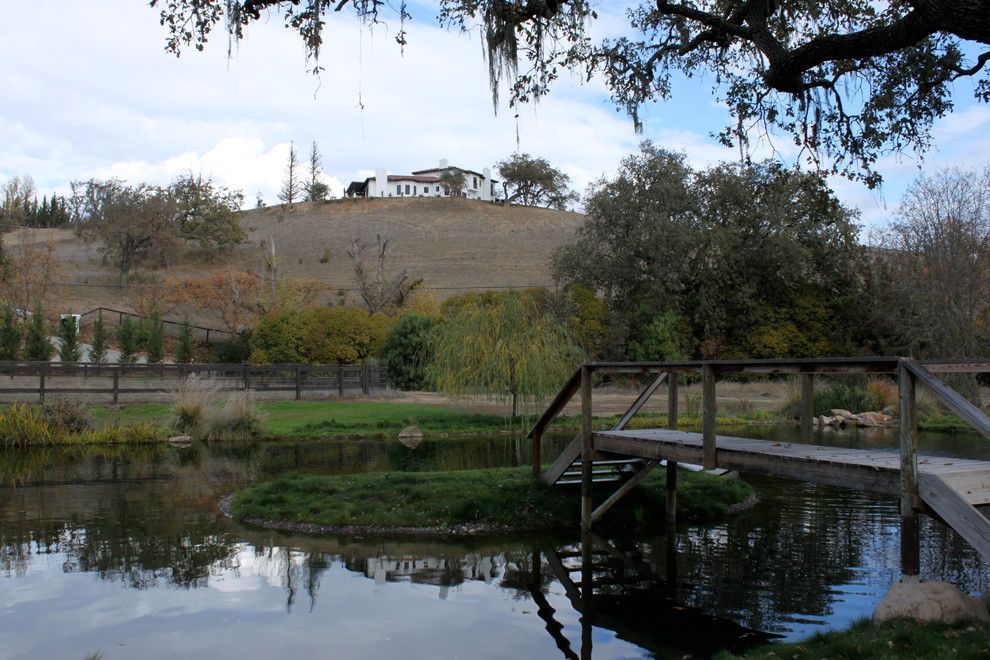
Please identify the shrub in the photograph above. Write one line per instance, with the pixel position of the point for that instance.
(139, 433)
(66, 416)
(155, 339)
(98, 349)
(24, 426)
(237, 419)
(235, 350)
(128, 340)
(325, 335)
(185, 350)
(407, 350)
(10, 336)
(37, 346)
(193, 399)
(854, 393)
(68, 340)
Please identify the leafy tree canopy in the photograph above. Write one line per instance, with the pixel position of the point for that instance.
(726, 249)
(849, 80)
(534, 182)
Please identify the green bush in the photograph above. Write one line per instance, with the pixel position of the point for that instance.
(185, 350)
(10, 335)
(128, 340)
(325, 335)
(68, 340)
(235, 350)
(98, 347)
(407, 351)
(37, 346)
(154, 341)
(662, 338)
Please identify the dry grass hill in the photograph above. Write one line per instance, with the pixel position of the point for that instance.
(453, 245)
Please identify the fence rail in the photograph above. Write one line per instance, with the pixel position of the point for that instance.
(115, 380)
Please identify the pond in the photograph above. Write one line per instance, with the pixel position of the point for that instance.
(125, 554)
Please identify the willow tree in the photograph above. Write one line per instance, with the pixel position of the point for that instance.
(508, 346)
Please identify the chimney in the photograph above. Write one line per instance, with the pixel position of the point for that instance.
(381, 182)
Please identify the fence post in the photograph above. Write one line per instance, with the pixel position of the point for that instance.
(709, 460)
(298, 383)
(116, 383)
(364, 377)
(586, 449)
(41, 382)
(807, 405)
(910, 547)
(340, 379)
(247, 376)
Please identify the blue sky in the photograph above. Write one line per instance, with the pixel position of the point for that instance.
(90, 92)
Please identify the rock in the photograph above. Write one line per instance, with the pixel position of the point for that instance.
(873, 419)
(411, 437)
(824, 420)
(180, 440)
(844, 414)
(937, 602)
(890, 410)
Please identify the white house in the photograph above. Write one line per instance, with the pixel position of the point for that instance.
(424, 183)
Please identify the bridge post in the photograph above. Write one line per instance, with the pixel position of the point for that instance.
(586, 448)
(672, 399)
(671, 492)
(807, 405)
(910, 542)
(708, 460)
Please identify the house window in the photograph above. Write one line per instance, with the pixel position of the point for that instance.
(474, 182)
(398, 189)
(414, 190)
(438, 190)
(407, 188)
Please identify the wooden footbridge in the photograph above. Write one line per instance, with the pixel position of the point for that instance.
(949, 489)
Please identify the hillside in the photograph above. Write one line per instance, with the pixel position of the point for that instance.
(453, 245)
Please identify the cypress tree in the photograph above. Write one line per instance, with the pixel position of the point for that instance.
(68, 340)
(128, 339)
(10, 335)
(98, 349)
(155, 339)
(184, 351)
(38, 348)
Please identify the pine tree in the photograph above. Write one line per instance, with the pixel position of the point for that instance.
(185, 349)
(38, 348)
(155, 340)
(291, 186)
(68, 340)
(98, 349)
(315, 189)
(10, 335)
(128, 340)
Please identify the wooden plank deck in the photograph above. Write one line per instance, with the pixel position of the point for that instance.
(875, 470)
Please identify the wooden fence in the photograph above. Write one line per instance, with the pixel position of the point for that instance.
(42, 379)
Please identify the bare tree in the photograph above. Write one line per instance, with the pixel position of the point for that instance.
(291, 185)
(379, 291)
(938, 255)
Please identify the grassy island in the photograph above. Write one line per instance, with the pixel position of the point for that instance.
(501, 498)
(901, 639)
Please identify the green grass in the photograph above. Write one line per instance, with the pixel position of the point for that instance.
(901, 639)
(501, 496)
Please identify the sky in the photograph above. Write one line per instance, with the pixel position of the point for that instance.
(89, 92)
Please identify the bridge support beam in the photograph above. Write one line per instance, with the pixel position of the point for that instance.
(807, 405)
(709, 461)
(586, 450)
(910, 503)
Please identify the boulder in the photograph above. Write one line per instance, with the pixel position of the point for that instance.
(180, 440)
(873, 419)
(935, 602)
(411, 437)
(844, 414)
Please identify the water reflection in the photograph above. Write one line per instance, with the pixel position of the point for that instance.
(146, 527)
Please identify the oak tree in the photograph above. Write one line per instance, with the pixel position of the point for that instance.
(532, 181)
(848, 81)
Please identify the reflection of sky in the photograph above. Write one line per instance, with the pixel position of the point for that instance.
(242, 613)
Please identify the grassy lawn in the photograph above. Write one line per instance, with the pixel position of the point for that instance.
(501, 496)
(346, 418)
(903, 639)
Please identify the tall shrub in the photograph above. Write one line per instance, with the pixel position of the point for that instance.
(407, 350)
(98, 348)
(10, 336)
(38, 348)
(128, 340)
(185, 349)
(155, 339)
(68, 340)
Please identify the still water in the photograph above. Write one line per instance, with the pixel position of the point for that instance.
(125, 554)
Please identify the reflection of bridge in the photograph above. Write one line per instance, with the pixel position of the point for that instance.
(949, 489)
(615, 589)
